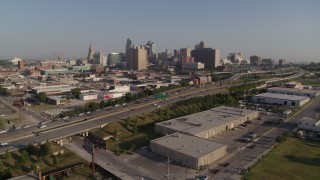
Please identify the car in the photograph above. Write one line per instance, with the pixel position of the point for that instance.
(240, 127)
(4, 144)
(37, 133)
(67, 117)
(155, 105)
(201, 177)
(226, 164)
(245, 139)
(158, 106)
(3, 131)
(26, 126)
(252, 146)
(216, 171)
(42, 126)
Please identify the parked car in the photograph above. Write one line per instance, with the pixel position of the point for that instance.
(200, 177)
(226, 164)
(42, 126)
(216, 171)
(4, 144)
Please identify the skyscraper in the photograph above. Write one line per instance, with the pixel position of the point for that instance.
(129, 44)
(136, 58)
(235, 57)
(282, 62)
(255, 60)
(210, 57)
(90, 55)
(151, 50)
(100, 58)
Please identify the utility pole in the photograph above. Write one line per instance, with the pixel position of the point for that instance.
(93, 160)
(168, 170)
(239, 160)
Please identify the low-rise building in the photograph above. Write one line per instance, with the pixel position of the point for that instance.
(56, 100)
(294, 91)
(188, 150)
(88, 96)
(207, 123)
(309, 124)
(52, 89)
(280, 99)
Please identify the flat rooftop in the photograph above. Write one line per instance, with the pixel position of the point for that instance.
(202, 121)
(293, 90)
(188, 144)
(310, 121)
(282, 96)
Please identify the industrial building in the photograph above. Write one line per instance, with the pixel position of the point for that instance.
(309, 124)
(57, 100)
(53, 89)
(187, 140)
(88, 96)
(207, 123)
(282, 99)
(188, 150)
(293, 91)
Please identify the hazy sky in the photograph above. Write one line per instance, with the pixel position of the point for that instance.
(272, 28)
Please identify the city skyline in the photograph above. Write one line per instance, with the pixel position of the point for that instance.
(272, 29)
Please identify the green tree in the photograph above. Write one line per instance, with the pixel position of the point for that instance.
(127, 123)
(24, 157)
(135, 127)
(102, 104)
(7, 155)
(42, 96)
(76, 92)
(45, 149)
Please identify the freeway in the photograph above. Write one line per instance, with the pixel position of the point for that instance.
(60, 129)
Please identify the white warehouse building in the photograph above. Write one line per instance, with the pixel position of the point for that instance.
(294, 91)
(309, 124)
(281, 99)
(207, 123)
(188, 150)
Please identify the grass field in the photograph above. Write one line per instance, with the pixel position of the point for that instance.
(293, 159)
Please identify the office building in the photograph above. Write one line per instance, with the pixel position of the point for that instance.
(114, 59)
(282, 62)
(210, 57)
(151, 50)
(136, 58)
(100, 58)
(129, 44)
(268, 62)
(255, 60)
(235, 57)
